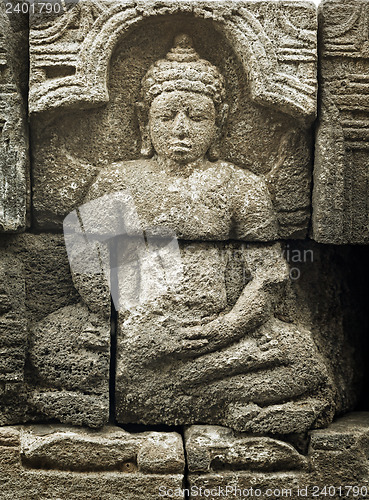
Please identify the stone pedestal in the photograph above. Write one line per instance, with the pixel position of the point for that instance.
(41, 462)
(331, 462)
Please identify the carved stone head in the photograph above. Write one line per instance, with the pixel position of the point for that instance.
(183, 109)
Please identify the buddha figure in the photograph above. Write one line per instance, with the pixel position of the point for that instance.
(198, 336)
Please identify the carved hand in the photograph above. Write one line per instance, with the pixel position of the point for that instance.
(253, 308)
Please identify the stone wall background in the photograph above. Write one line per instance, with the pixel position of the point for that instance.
(57, 350)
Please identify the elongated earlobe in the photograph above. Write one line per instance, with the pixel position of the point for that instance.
(142, 112)
(147, 149)
(214, 150)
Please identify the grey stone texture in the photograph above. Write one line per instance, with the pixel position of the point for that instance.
(199, 338)
(56, 350)
(327, 294)
(340, 452)
(163, 280)
(340, 208)
(13, 337)
(331, 463)
(14, 157)
(57, 461)
(85, 78)
(43, 462)
(219, 448)
(237, 340)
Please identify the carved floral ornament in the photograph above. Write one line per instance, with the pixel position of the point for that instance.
(102, 26)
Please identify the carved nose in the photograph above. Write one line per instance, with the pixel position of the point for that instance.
(180, 125)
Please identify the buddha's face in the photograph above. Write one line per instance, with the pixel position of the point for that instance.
(182, 125)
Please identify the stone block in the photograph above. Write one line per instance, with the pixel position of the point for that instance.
(14, 159)
(327, 294)
(13, 337)
(218, 448)
(86, 67)
(48, 280)
(55, 461)
(340, 453)
(57, 349)
(340, 211)
(224, 463)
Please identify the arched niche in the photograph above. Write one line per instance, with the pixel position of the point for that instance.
(86, 121)
(80, 79)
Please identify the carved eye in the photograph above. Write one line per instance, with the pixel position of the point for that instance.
(166, 117)
(197, 118)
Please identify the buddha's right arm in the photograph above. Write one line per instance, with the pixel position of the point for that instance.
(253, 308)
(89, 232)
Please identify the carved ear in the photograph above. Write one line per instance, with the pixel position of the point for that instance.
(142, 112)
(222, 117)
(213, 153)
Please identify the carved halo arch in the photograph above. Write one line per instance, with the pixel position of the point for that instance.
(246, 36)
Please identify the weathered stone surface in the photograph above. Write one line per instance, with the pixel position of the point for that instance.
(335, 464)
(63, 359)
(236, 337)
(327, 294)
(223, 333)
(265, 50)
(222, 462)
(70, 353)
(44, 462)
(13, 338)
(340, 208)
(215, 347)
(89, 255)
(341, 451)
(14, 161)
(199, 337)
(49, 286)
(217, 448)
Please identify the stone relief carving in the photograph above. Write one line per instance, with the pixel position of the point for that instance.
(227, 358)
(340, 192)
(13, 333)
(174, 162)
(211, 448)
(267, 53)
(221, 459)
(56, 350)
(95, 27)
(14, 161)
(56, 461)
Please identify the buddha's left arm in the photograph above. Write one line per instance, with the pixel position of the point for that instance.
(253, 214)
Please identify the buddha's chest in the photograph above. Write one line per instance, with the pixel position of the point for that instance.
(187, 280)
(192, 208)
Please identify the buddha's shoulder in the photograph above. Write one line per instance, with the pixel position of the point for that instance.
(117, 177)
(239, 177)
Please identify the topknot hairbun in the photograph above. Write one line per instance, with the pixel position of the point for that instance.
(183, 69)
